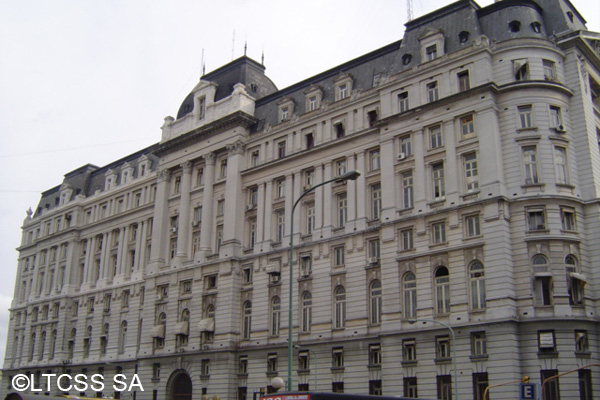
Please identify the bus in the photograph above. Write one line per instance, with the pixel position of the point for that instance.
(327, 396)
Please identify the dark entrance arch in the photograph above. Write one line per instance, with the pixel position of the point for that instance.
(181, 386)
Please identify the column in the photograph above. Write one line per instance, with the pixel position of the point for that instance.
(420, 171)
(122, 259)
(207, 206)
(351, 196)
(327, 203)
(361, 189)
(233, 226)
(388, 190)
(268, 217)
(297, 190)
(289, 193)
(104, 254)
(260, 216)
(317, 231)
(140, 247)
(183, 236)
(72, 264)
(160, 233)
(87, 267)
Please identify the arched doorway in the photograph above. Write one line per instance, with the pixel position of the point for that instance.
(181, 387)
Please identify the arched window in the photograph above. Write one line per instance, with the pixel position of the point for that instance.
(122, 336)
(247, 323)
(306, 311)
(542, 282)
(409, 286)
(375, 302)
(32, 347)
(575, 281)
(339, 295)
(442, 290)
(185, 315)
(275, 315)
(477, 283)
(182, 328)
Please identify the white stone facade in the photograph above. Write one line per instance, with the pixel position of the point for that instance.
(477, 206)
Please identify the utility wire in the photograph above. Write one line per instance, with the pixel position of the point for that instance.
(67, 149)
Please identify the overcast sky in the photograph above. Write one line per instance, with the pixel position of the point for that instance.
(91, 81)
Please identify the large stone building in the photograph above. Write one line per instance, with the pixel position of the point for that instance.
(478, 207)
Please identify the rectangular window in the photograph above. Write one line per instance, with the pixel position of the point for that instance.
(546, 342)
(280, 189)
(243, 365)
(309, 140)
(542, 290)
(439, 187)
(337, 357)
(521, 70)
(467, 128)
(549, 70)
(342, 91)
(281, 149)
(480, 383)
(463, 81)
(525, 117)
(338, 256)
(536, 220)
(403, 102)
(374, 355)
(201, 107)
(581, 341)
(435, 137)
(205, 367)
(338, 129)
(405, 147)
(374, 250)
(303, 360)
(309, 178)
(342, 210)
(431, 52)
(555, 117)
(219, 238)
(471, 172)
(406, 183)
(432, 92)
(560, 161)
(438, 233)
(478, 344)
(585, 384)
(472, 226)
(253, 196)
(374, 160)
(247, 274)
(406, 239)
(442, 347)
(285, 114)
(272, 364)
(254, 158)
(223, 169)
(305, 265)
(252, 232)
(409, 350)
(340, 167)
(375, 201)
(567, 217)
(280, 225)
(410, 387)
(551, 388)
(312, 103)
(530, 165)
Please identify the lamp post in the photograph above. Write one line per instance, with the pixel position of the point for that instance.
(413, 320)
(351, 175)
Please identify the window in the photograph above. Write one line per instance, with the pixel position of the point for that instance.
(339, 296)
(536, 27)
(375, 300)
(438, 233)
(372, 117)
(477, 285)
(555, 118)
(309, 178)
(340, 167)
(374, 355)
(338, 129)
(272, 364)
(549, 70)
(376, 201)
(472, 226)
(442, 290)
(252, 232)
(410, 387)
(560, 161)
(542, 285)
(210, 282)
(337, 357)
(247, 274)
(567, 217)
(275, 316)
(162, 292)
(410, 295)
(306, 311)
(471, 172)
(403, 102)
(280, 189)
(521, 70)
(463, 81)
(478, 344)
(303, 360)
(431, 52)
(243, 365)
(280, 225)
(374, 160)
(405, 146)
(338, 256)
(466, 126)
(432, 92)
(247, 321)
(305, 265)
(223, 169)
(342, 91)
(406, 183)
(546, 342)
(551, 388)
(525, 117)
(409, 350)
(201, 107)
(373, 251)
(442, 348)
(281, 149)
(480, 383)
(406, 59)
(254, 158)
(253, 196)
(536, 219)
(585, 384)
(285, 114)
(309, 140)
(439, 187)
(530, 165)
(312, 103)
(122, 336)
(514, 26)
(342, 210)
(435, 137)
(406, 239)
(581, 342)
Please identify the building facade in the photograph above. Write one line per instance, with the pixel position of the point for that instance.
(478, 206)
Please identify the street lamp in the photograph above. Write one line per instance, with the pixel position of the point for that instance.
(413, 320)
(350, 175)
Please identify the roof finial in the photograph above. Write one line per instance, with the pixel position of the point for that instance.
(203, 64)
(262, 57)
(245, 46)
(233, 44)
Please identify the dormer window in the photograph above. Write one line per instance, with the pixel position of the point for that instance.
(201, 107)
(312, 103)
(431, 52)
(285, 114)
(536, 27)
(313, 98)
(463, 36)
(406, 59)
(514, 26)
(286, 109)
(343, 91)
(343, 86)
(432, 45)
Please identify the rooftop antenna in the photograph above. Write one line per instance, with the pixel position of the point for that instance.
(203, 64)
(245, 46)
(409, 10)
(233, 44)
(262, 57)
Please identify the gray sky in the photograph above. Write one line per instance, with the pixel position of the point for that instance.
(91, 81)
